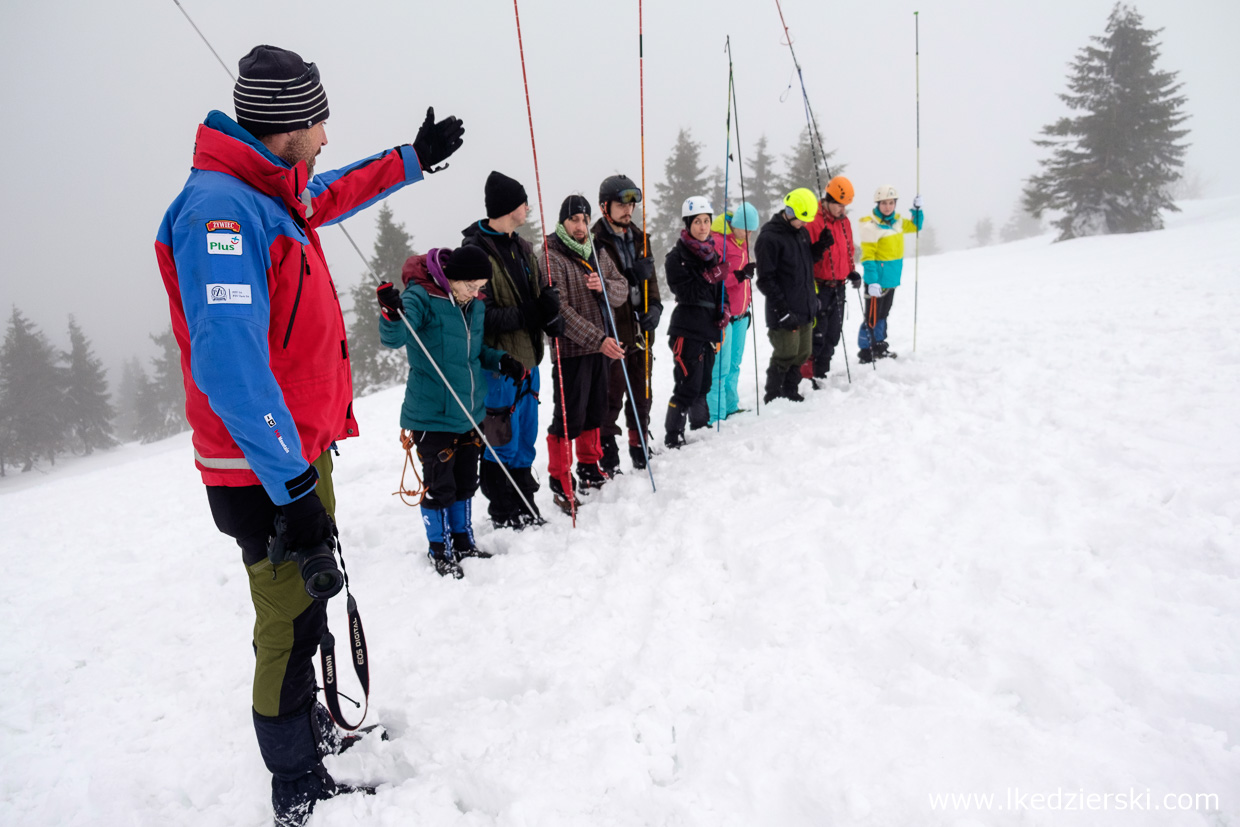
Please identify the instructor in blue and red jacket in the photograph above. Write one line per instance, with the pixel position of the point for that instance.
(266, 367)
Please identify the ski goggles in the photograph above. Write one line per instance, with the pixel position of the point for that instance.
(629, 196)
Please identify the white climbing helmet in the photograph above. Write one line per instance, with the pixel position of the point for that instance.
(696, 205)
(886, 193)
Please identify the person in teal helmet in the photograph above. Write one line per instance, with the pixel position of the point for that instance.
(731, 232)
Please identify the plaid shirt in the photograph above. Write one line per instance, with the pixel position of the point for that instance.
(584, 325)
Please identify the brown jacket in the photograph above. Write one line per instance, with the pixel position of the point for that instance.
(584, 324)
(626, 313)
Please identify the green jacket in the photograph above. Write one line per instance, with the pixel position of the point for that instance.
(506, 326)
(453, 334)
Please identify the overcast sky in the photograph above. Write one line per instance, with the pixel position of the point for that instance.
(102, 100)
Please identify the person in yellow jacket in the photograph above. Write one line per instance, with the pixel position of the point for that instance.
(882, 261)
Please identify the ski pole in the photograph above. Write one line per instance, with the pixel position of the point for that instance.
(917, 238)
(740, 168)
(841, 340)
(723, 285)
(865, 319)
(641, 96)
(611, 318)
(815, 137)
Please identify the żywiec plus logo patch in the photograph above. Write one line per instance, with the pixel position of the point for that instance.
(223, 225)
(224, 244)
(228, 294)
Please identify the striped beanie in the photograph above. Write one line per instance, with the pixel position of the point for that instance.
(277, 91)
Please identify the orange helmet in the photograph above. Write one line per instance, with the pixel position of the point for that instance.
(840, 190)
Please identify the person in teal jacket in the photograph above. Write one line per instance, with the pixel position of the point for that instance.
(882, 258)
(440, 303)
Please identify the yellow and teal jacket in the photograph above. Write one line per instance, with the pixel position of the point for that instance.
(882, 246)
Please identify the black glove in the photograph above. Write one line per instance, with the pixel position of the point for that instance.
(531, 318)
(649, 320)
(787, 320)
(854, 278)
(389, 301)
(643, 268)
(555, 327)
(308, 523)
(436, 141)
(511, 368)
(820, 246)
(549, 302)
(746, 272)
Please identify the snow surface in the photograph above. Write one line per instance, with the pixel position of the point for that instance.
(1006, 562)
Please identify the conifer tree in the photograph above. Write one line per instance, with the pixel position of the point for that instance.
(532, 230)
(983, 232)
(1020, 225)
(161, 401)
(762, 181)
(929, 244)
(684, 176)
(31, 395)
(88, 413)
(374, 366)
(805, 166)
(1112, 167)
(133, 380)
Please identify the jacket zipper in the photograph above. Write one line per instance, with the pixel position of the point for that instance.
(468, 350)
(301, 278)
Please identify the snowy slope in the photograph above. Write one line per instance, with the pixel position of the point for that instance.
(1008, 562)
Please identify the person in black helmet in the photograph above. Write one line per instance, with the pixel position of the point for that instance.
(636, 319)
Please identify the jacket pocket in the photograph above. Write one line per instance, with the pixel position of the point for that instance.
(301, 280)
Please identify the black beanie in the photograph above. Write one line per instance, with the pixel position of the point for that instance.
(467, 264)
(503, 194)
(573, 205)
(277, 91)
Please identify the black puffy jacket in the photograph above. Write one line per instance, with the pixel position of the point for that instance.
(699, 304)
(786, 274)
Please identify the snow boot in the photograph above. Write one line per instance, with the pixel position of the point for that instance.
(445, 561)
(637, 457)
(528, 485)
(610, 463)
(792, 380)
(460, 525)
(865, 356)
(560, 497)
(774, 385)
(436, 522)
(883, 351)
(329, 738)
(674, 426)
(591, 475)
(298, 778)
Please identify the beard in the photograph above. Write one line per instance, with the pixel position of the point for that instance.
(303, 147)
(624, 221)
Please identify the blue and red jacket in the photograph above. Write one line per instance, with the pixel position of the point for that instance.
(263, 349)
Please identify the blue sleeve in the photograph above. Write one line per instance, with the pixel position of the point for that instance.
(345, 193)
(227, 312)
(918, 218)
(870, 271)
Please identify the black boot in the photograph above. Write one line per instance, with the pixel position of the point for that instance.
(591, 476)
(560, 497)
(774, 384)
(883, 351)
(637, 458)
(674, 426)
(865, 356)
(610, 463)
(298, 778)
(445, 561)
(792, 380)
(528, 485)
(330, 740)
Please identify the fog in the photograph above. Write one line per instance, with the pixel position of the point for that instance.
(102, 101)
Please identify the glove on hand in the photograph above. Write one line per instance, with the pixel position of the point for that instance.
(823, 243)
(308, 523)
(649, 320)
(531, 317)
(746, 272)
(555, 327)
(874, 290)
(917, 201)
(549, 302)
(511, 368)
(436, 141)
(854, 278)
(643, 268)
(389, 301)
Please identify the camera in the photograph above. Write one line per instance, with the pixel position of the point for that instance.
(316, 565)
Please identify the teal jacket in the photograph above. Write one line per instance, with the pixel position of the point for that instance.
(882, 246)
(453, 335)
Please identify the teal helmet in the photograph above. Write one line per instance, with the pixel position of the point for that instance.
(744, 217)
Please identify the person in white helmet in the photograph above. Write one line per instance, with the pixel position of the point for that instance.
(882, 260)
(696, 268)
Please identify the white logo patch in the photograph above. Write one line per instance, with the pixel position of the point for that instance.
(224, 244)
(228, 294)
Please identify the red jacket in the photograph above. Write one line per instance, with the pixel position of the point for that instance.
(837, 262)
(254, 309)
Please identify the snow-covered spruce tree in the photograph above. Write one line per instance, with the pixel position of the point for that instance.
(128, 392)
(88, 413)
(161, 401)
(532, 230)
(762, 181)
(1113, 165)
(374, 366)
(983, 232)
(31, 395)
(805, 166)
(684, 176)
(1020, 225)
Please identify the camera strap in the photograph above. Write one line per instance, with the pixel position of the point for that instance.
(361, 661)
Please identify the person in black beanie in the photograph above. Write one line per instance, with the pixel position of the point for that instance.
(255, 312)
(522, 307)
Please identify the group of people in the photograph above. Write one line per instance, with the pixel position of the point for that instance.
(266, 359)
